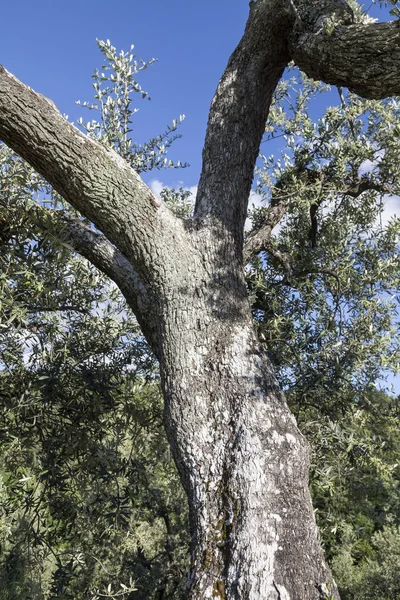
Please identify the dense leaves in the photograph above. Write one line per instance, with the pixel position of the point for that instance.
(325, 290)
(90, 495)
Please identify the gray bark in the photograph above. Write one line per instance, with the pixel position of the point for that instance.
(364, 58)
(242, 459)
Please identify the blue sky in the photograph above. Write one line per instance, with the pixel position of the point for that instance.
(51, 46)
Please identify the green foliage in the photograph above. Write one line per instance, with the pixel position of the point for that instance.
(355, 479)
(327, 308)
(179, 201)
(114, 87)
(90, 496)
(378, 577)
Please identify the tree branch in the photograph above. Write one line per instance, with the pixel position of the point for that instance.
(238, 114)
(102, 254)
(364, 184)
(260, 239)
(363, 57)
(290, 276)
(61, 308)
(92, 178)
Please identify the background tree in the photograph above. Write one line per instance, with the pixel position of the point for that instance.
(90, 496)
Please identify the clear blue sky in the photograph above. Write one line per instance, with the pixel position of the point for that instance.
(50, 45)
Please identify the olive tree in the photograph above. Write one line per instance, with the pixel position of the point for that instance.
(242, 459)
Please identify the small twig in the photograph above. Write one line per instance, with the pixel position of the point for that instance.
(36, 309)
(344, 105)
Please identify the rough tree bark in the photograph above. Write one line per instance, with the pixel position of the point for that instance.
(242, 459)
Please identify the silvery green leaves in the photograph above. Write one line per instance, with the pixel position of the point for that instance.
(180, 201)
(341, 296)
(115, 86)
(152, 154)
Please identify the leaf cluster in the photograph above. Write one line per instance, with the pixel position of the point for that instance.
(330, 324)
(114, 87)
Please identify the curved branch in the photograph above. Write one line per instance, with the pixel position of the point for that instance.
(363, 57)
(102, 254)
(364, 184)
(93, 179)
(238, 114)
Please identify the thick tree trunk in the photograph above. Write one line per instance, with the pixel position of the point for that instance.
(242, 459)
(245, 468)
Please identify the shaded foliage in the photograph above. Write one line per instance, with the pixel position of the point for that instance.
(90, 494)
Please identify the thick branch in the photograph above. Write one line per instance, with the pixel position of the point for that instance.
(363, 57)
(103, 255)
(238, 114)
(93, 179)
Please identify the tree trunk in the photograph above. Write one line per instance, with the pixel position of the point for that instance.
(242, 459)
